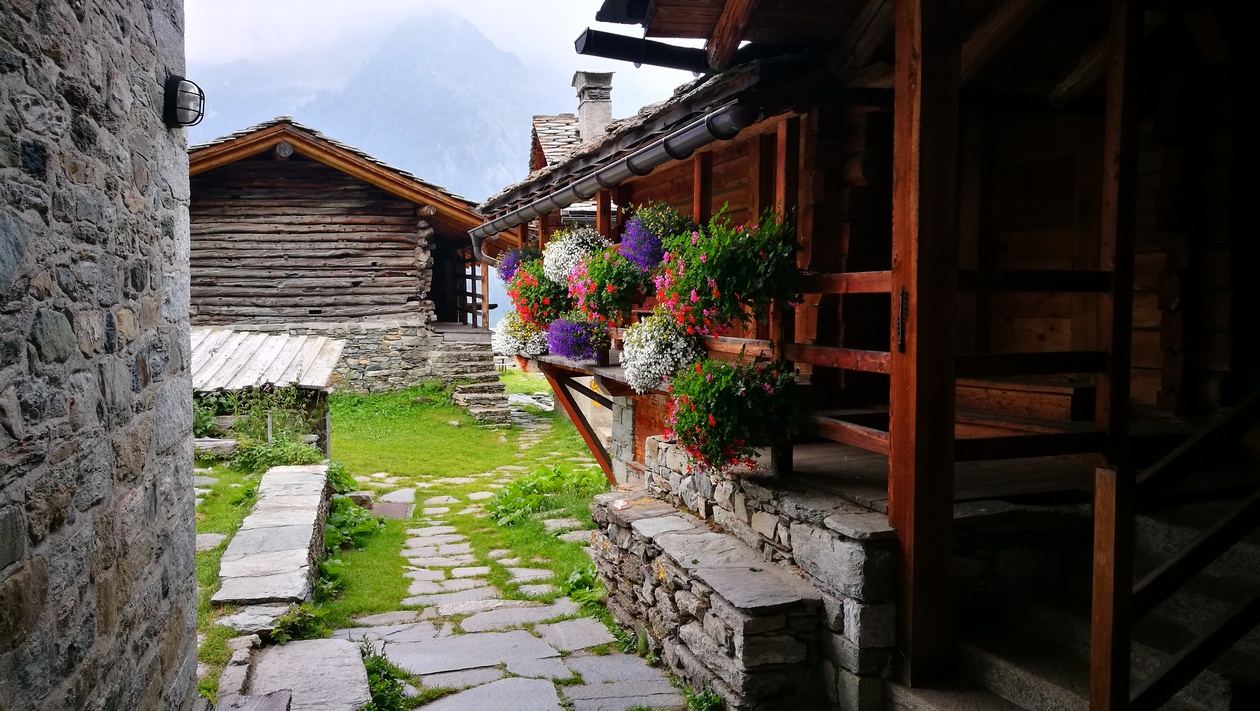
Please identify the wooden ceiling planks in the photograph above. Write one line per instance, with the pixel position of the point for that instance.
(224, 359)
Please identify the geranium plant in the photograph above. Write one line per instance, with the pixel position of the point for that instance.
(566, 249)
(720, 412)
(606, 285)
(538, 300)
(641, 240)
(512, 260)
(574, 337)
(717, 275)
(514, 336)
(655, 349)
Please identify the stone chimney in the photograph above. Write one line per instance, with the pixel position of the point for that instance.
(594, 92)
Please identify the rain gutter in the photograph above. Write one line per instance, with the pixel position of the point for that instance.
(721, 124)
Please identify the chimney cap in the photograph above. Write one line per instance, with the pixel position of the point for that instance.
(584, 79)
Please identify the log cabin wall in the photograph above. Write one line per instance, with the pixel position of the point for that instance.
(295, 240)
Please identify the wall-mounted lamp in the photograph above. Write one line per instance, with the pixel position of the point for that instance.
(185, 103)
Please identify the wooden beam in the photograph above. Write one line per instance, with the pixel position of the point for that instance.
(571, 407)
(702, 187)
(601, 399)
(844, 358)
(1199, 449)
(522, 234)
(1046, 444)
(484, 296)
(862, 39)
(603, 213)
(924, 287)
(1110, 626)
(787, 165)
(993, 33)
(855, 435)
(849, 283)
(1032, 280)
(989, 365)
(750, 347)
(1092, 65)
(730, 29)
(623, 195)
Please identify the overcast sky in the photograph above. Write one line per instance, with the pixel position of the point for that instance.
(540, 32)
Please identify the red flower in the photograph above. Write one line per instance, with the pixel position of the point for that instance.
(712, 422)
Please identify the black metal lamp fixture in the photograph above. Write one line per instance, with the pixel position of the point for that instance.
(185, 103)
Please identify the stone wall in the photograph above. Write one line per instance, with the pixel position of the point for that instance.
(97, 583)
(392, 355)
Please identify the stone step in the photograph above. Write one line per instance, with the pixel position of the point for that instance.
(213, 447)
(1165, 532)
(953, 695)
(496, 400)
(481, 376)
(1037, 676)
(322, 674)
(1055, 620)
(489, 386)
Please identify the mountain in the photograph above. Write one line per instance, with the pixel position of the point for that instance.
(433, 96)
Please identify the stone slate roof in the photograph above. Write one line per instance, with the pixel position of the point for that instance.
(624, 135)
(556, 136)
(333, 142)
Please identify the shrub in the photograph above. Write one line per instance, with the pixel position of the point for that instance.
(254, 456)
(575, 338)
(720, 274)
(299, 622)
(513, 336)
(606, 285)
(516, 501)
(339, 478)
(538, 299)
(583, 587)
(286, 406)
(349, 524)
(565, 249)
(720, 412)
(655, 349)
(204, 424)
(512, 259)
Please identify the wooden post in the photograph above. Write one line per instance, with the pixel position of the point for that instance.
(924, 286)
(603, 213)
(522, 234)
(1111, 621)
(623, 196)
(485, 297)
(787, 167)
(544, 230)
(1113, 488)
(702, 188)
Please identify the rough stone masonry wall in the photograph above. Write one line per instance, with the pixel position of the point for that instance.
(392, 355)
(848, 553)
(97, 583)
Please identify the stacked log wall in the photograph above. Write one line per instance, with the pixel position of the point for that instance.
(295, 240)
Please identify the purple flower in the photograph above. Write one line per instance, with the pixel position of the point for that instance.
(640, 246)
(577, 340)
(512, 260)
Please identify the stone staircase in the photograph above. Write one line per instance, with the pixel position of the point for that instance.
(1035, 658)
(485, 398)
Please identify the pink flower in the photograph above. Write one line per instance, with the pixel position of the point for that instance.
(694, 296)
(704, 258)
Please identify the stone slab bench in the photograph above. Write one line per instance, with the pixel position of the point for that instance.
(214, 447)
(717, 611)
(273, 555)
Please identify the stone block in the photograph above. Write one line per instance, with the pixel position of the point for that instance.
(12, 535)
(742, 623)
(52, 336)
(862, 571)
(765, 524)
(847, 655)
(22, 598)
(859, 693)
(770, 649)
(870, 625)
(861, 526)
(833, 612)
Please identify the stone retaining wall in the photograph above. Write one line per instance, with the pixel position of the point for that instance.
(393, 355)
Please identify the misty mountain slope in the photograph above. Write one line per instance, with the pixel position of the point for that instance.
(434, 97)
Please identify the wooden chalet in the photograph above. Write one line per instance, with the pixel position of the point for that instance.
(289, 225)
(1025, 229)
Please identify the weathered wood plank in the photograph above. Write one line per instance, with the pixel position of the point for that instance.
(848, 283)
(993, 33)
(861, 436)
(731, 27)
(844, 358)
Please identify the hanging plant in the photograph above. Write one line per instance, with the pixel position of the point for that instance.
(606, 285)
(641, 240)
(655, 349)
(538, 300)
(719, 274)
(720, 412)
(512, 260)
(513, 336)
(566, 249)
(575, 338)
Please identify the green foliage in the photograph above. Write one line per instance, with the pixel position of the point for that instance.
(704, 700)
(516, 501)
(340, 479)
(254, 456)
(720, 411)
(606, 285)
(723, 274)
(331, 581)
(584, 587)
(203, 418)
(349, 524)
(287, 407)
(385, 681)
(660, 219)
(299, 622)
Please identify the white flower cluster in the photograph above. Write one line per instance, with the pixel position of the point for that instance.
(513, 336)
(655, 349)
(565, 250)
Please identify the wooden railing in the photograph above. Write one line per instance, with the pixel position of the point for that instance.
(1118, 604)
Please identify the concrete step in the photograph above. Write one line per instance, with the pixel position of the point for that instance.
(954, 695)
(1033, 674)
(1154, 641)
